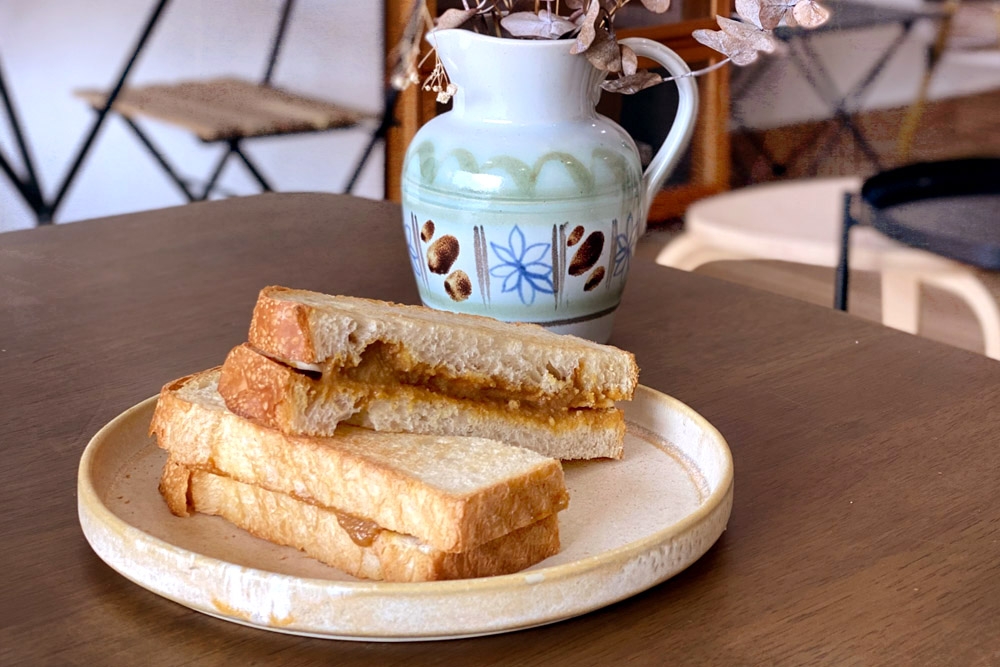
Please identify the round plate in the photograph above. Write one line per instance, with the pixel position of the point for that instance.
(630, 525)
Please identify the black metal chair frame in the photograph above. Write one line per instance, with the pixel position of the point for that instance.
(842, 104)
(29, 186)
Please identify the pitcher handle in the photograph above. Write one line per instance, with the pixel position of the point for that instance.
(679, 137)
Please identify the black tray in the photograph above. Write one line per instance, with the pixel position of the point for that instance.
(950, 208)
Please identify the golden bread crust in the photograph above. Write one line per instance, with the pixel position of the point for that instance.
(282, 327)
(320, 533)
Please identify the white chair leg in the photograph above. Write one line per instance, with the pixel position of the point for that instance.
(687, 252)
(971, 289)
(901, 300)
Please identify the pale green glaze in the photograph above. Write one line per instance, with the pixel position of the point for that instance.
(524, 177)
(519, 170)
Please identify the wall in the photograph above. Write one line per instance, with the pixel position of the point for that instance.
(48, 48)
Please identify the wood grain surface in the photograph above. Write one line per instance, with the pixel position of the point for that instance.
(866, 525)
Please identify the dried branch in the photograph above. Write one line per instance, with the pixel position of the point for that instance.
(590, 24)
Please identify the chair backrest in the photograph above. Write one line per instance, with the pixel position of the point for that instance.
(974, 34)
(968, 34)
(277, 41)
(975, 24)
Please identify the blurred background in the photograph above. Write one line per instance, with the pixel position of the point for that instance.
(49, 48)
(334, 50)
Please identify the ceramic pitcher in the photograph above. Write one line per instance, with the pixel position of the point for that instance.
(522, 203)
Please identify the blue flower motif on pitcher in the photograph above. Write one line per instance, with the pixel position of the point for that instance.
(521, 267)
(625, 247)
(413, 244)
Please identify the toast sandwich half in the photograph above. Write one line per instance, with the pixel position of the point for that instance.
(451, 493)
(354, 546)
(315, 360)
(298, 402)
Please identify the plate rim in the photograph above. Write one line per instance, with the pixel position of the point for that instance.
(89, 502)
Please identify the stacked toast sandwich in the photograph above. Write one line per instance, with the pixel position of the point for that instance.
(392, 442)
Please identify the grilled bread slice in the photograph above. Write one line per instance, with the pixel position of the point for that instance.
(453, 493)
(354, 546)
(306, 403)
(464, 356)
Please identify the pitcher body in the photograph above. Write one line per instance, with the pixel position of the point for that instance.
(522, 203)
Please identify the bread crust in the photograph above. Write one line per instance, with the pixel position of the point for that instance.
(282, 326)
(465, 352)
(452, 493)
(305, 403)
(320, 532)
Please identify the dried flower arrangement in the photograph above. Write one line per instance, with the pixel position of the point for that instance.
(590, 24)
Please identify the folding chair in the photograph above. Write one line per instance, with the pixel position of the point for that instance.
(229, 110)
(841, 101)
(968, 33)
(29, 185)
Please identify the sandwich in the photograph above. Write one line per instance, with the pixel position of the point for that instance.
(392, 442)
(313, 362)
(398, 507)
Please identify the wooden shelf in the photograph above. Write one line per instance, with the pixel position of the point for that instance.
(709, 152)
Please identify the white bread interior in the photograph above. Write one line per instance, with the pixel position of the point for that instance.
(453, 493)
(464, 353)
(321, 533)
(306, 403)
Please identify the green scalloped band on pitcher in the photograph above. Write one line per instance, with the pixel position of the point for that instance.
(524, 177)
(522, 203)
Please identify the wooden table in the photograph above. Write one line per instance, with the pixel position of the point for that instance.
(866, 527)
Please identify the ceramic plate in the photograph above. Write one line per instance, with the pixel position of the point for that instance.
(631, 524)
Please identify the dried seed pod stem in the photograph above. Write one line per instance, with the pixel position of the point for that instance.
(590, 26)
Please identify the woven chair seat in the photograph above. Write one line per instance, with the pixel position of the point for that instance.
(223, 109)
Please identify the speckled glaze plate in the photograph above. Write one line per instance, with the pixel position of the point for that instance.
(631, 524)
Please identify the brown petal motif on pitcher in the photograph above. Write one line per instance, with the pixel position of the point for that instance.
(442, 254)
(458, 285)
(427, 231)
(594, 279)
(575, 236)
(587, 254)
